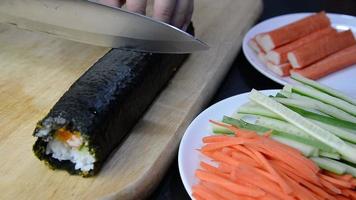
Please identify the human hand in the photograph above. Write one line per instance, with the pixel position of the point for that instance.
(175, 12)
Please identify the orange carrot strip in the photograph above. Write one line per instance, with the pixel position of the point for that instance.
(299, 191)
(246, 175)
(227, 150)
(203, 192)
(279, 55)
(219, 145)
(292, 31)
(238, 189)
(314, 188)
(216, 138)
(213, 169)
(197, 196)
(345, 177)
(310, 177)
(285, 187)
(339, 197)
(336, 182)
(330, 187)
(330, 64)
(349, 193)
(321, 48)
(221, 191)
(244, 159)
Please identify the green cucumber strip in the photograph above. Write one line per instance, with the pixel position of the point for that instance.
(221, 130)
(325, 108)
(323, 88)
(350, 169)
(314, 145)
(330, 165)
(325, 154)
(286, 94)
(257, 110)
(287, 88)
(323, 97)
(341, 133)
(305, 149)
(308, 141)
(280, 95)
(308, 106)
(280, 125)
(324, 119)
(296, 119)
(244, 125)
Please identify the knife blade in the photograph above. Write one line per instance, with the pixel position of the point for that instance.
(96, 24)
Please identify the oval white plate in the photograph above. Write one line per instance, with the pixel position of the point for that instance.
(343, 80)
(188, 156)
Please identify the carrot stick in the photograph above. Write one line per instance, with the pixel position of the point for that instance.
(336, 182)
(221, 191)
(197, 196)
(345, 177)
(300, 191)
(233, 187)
(292, 31)
(314, 188)
(216, 138)
(330, 187)
(350, 193)
(278, 56)
(246, 175)
(285, 187)
(203, 192)
(219, 145)
(319, 49)
(330, 64)
(227, 150)
(213, 170)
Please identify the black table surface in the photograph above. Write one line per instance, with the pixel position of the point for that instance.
(243, 77)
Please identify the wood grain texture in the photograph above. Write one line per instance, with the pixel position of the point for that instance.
(35, 70)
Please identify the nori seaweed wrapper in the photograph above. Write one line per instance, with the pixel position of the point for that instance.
(106, 101)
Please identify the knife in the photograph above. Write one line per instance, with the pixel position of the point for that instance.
(96, 24)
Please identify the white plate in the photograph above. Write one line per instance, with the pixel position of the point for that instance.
(343, 80)
(188, 156)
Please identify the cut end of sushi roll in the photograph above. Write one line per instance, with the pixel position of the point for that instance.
(60, 144)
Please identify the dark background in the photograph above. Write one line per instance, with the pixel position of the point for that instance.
(243, 77)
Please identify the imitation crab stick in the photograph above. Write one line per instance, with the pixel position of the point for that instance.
(255, 46)
(292, 31)
(279, 55)
(321, 48)
(281, 70)
(330, 64)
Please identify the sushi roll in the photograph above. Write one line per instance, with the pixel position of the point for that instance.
(90, 120)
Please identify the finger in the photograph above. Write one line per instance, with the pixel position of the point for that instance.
(188, 18)
(180, 13)
(137, 6)
(163, 10)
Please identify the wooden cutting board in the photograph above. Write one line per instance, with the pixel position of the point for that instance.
(35, 70)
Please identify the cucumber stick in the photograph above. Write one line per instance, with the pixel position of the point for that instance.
(323, 97)
(325, 119)
(305, 149)
(305, 105)
(220, 129)
(334, 156)
(348, 152)
(325, 108)
(323, 88)
(280, 125)
(341, 133)
(244, 125)
(257, 110)
(330, 165)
